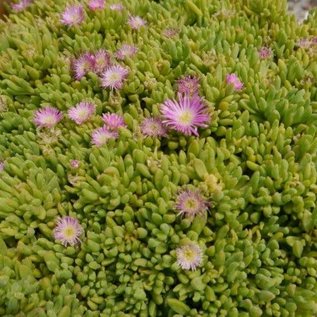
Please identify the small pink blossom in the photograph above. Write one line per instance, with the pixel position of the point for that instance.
(47, 117)
(102, 135)
(114, 76)
(74, 163)
(20, 6)
(84, 64)
(185, 115)
(73, 15)
(113, 121)
(189, 256)
(68, 231)
(96, 4)
(153, 127)
(126, 50)
(1, 166)
(82, 112)
(233, 79)
(188, 85)
(116, 7)
(101, 61)
(170, 32)
(136, 22)
(265, 52)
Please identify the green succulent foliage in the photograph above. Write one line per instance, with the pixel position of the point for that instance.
(256, 163)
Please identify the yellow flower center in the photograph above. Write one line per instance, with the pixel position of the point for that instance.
(114, 77)
(69, 232)
(186, 117)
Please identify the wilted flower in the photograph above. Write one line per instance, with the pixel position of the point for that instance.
(114, 76)
(102, 135)
(116, 7)
(265, 52)
(136, 22)
(304, 43)
(233, 79)
(113, 121)
(74, 163)
(20, 6)
(47, 117)
(191, 203)
(73, 15)
(153, 127)
(189, 256)
(101, 61)
(96, 4)
(185, 115)
(84, 64)
(81, 112)
(126, 50)
(170, 32)
(188, 85)
(68, 231)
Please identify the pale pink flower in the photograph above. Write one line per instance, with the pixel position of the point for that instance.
(116, 7)
(73, 15)
(153, 127)
(170, 32)
(113, 121)
(189, 256)
(20, 6)
(84, 64)
(102, 135)
(82, 112)
(47, 117)
(233, 79)
(101, 61)
(136, 22)
(126, 50)
(74, 163)
(96, 4)
(1, 166)
(114, 76)
(188, 85)
(265, 52)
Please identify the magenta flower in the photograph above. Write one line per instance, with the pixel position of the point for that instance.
(101, 61)
(233, 79)
(113, 121)
(189, 256)
(47, 117)
(116, 7)
(102, 135)
(20, 6)
(170, 32)
(96, 4)
(74, 163)
(153, 127)
(84, 64)
(185, 115)
(114, 76)
(191, 203)
(265, 52)
(1, 166)
(136, 22)
(73, 15)
(126, 50)
(188, 85)
(82, 112)
(68, 231)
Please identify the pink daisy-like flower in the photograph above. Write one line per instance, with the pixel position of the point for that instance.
(81, 112)
(136, 22)
(170, 32)
(1, 166)
(189, 256)
(153, 127)
(304, 43)
(265, 52)
(73, 15)
(113, 121)
(68, 231)
(84, 64)
(101, 61)
(96, 4)
(47, 117)
(74, 163)
(114, 76)
(233, 79)
(191, 203)
(102, 135)
(188, 85)
(185, 115)
(116, 7)
(20, 6)
(126, 50)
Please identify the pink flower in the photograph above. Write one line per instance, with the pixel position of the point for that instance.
(73, 15)
(153, 127)
(82, 112)
(1, 166)
(20, 6)
(101, 61)
(170, 32)
(68, 231)
(102, 135)
(74, 163)
(188, 85)
(47, 117)
(189, 256)
(84, 64)
(233, 79)
(126, 50)
(96, 4)
(191, 203)
(113, 121)
(136, 22)
(116, 7)
(304, 43)
(114, 76)
(185, 115)
(265, 52)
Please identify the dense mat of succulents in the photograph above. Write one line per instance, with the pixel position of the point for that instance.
(158, 159)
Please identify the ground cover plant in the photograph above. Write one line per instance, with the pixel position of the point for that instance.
(158, 158)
